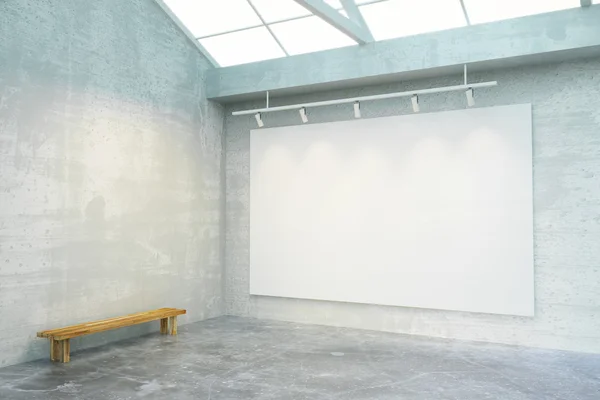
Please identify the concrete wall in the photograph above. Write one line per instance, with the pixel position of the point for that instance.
(566, 117)
(110, 171)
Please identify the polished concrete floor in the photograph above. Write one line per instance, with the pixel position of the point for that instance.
(237, 358)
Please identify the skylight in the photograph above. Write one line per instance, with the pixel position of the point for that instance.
(209, 17)
(242, 47)
(308, 35)
(242, 31)
(397, 18)
(481, 11)
(273, 11)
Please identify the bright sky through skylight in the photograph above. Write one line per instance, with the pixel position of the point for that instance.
(396, 18)
(243, 47)
(293, 35)
(234, 33)
(481, 11)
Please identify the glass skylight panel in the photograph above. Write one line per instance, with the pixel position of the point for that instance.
(481, 11)
(397, 18)
(277, 10)
(207, 17)
(242, 47)
(309, 34)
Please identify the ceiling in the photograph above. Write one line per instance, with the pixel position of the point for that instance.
(243, 31)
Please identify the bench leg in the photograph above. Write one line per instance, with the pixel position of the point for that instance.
(54, 349)
(60, 350)
(173, 325)
(164, 326)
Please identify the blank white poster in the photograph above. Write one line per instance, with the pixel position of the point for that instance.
(426, 210)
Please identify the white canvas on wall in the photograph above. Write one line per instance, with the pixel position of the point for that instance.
(425, 210)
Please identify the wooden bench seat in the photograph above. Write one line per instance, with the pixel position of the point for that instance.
(59, 338)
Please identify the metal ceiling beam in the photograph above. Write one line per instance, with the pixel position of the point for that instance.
(586, 3)
(355, 15)
(187, 33)
(465, 13)
(337, 20)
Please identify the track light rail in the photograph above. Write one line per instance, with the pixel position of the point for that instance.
(369, 98)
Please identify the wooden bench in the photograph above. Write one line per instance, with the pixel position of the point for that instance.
(59, 338)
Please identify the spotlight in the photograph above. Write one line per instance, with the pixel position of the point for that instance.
(259, 120)
(303, 115)
(470, 97)
(357, 110)
(415, 103)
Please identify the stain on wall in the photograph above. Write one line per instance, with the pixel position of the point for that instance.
(110, 171)
(566, 159)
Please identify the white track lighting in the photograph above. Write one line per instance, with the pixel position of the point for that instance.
(470, 97)
(415, 103)
(468, 87)
(303, 115)
(259, 120)
(357, 110)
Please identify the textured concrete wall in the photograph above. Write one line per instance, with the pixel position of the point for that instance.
(110, 171)
(566, 118)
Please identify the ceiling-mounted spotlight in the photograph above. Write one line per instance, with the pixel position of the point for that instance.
(259, 120)
(470, 97)
(303, 115)
(415, 103)
(357, 110)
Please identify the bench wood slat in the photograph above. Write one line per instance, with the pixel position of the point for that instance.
(88, 328)
(51, 332)
(59, 338)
